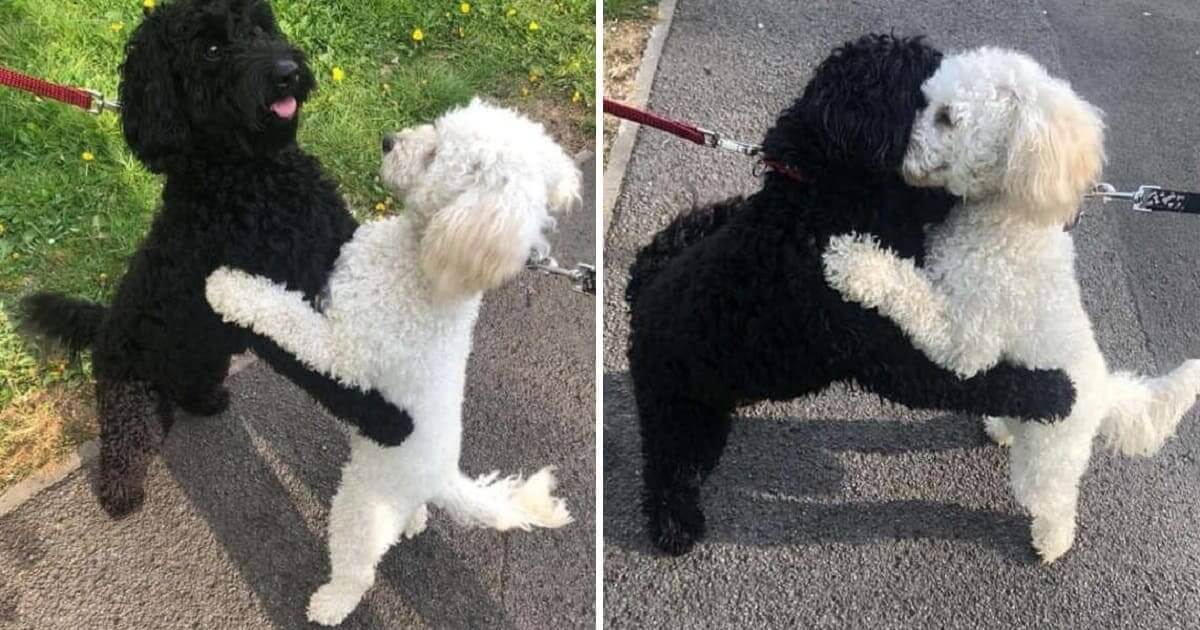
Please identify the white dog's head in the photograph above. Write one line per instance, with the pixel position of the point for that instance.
(998, 125)
(485, 179)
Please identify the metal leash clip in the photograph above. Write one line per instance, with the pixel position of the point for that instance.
(100, 103)
(717, 141)
(582, 275)
(1107, 192)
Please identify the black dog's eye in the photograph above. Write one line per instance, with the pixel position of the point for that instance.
(942, 117)
(212, 53)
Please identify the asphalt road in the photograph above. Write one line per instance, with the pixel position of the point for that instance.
(232, 535)
(843, 511)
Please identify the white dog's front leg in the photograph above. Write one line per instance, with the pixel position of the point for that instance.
(368, 514)
(269, 309)
(865, 273)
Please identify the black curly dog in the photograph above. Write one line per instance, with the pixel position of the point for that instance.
(210, 93)
(729, 304)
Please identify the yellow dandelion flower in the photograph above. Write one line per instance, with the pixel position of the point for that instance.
(533, 26)
(380, 207)
(464, 8)
(576, 97)
(338, 74)
(511, 12)
(418, 35)
(148, 5)
(387, 87)
(524, 91)
(116, 27)
(87, 156)
(460, 32)
(103, 277)
(16, 256)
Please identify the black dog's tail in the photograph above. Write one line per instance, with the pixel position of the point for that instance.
(68, 321)
(684, 231)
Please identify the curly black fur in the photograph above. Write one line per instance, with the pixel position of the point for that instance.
(729, 304)
(197, 86)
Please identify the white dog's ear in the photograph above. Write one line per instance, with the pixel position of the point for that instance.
(477, 242)
(1056, 153)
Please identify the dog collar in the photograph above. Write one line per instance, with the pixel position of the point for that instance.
(790, 172)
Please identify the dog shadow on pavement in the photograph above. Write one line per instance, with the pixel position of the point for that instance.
(778, 481)
(262, 476)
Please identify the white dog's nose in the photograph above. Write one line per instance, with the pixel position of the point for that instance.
(389, 141)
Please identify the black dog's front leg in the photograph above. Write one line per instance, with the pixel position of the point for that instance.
(899, 372)
(374, 416)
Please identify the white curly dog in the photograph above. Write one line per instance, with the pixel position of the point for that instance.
(1021, 149)
(478, 187)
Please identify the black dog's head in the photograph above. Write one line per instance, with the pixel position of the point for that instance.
(857, 111)
(210, 78)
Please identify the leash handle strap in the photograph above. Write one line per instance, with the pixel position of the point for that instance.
(89, 100)
(1150, 198)
(1159, 200)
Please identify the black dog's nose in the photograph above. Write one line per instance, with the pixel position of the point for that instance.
(388, 142)
(285, 71)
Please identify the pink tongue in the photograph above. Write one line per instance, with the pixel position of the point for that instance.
(285, 108)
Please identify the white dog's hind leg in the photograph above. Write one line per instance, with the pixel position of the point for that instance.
(1046, 465)
(506, 503)
(1146, 411)
(367, 517)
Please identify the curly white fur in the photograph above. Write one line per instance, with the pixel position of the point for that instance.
(999, 280)
(478, 185)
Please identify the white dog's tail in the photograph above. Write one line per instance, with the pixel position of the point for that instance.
(506, 503)
(1146, 411)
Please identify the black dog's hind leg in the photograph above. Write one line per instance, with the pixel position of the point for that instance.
(901, 373)
(133, 420)
(682, 441)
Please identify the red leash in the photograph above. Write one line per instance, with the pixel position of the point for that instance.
(695, 134)
(674, 127)
(90, 100)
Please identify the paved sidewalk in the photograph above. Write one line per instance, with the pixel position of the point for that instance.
(232, 535)
(842, 511)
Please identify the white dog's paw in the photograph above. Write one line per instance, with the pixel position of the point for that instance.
(997, 429)
(858, 268)
(539, 504)
(334, 601)
(529, 503)
(417, 522)
(227, 290)
(1051, 539)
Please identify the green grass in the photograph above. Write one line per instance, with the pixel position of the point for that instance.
(625, 9)
(68, 224)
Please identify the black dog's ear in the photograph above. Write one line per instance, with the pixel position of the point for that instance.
(151, 114)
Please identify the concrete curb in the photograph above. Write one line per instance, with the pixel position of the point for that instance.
(622, 147)
(51, 474)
